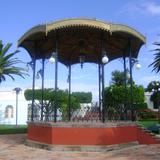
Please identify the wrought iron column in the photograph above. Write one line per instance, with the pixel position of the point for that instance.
(69, 96)
(33, 88)
(103, 96)
(42, 98)
(125, 85)
(56, 82)
(100, 94)
(131, 81)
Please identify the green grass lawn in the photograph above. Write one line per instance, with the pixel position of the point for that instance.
(12, 129)
(148, 123)
(152, 124)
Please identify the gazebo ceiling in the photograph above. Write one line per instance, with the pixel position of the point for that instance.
(77, 37)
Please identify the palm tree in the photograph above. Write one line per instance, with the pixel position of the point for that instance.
(7, 62)
(156, 62)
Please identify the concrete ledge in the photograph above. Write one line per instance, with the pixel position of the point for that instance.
(83, 124)
(80, 148)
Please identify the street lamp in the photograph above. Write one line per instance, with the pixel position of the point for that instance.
(105, 59)
(52, 58)
(29, 64)
(133, 62)
(39, 74)
(17, 90)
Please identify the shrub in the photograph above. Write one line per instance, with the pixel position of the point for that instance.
(141, 106)
(117, 95)
(146, 114)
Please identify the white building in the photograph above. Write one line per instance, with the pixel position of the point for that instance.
(8, 108)
(84, 107)
(149, 102)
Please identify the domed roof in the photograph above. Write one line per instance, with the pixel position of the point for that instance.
(74, 37)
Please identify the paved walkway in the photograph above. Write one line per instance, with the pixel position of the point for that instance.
(12, 148)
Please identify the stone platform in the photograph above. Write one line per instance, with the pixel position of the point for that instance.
(84, 133)
(87, 133)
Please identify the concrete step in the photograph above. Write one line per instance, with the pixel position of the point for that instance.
(82, 148)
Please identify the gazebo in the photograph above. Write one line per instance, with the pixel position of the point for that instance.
(73, 41)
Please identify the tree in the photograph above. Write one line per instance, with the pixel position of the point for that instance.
(154, 88)
(7, 62)
(118, 100)
(118, 96)
(83, 97)
(156, 63)
(62, 100)
(118, 78)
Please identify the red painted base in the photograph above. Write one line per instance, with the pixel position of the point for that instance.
(80, 134)
(88, 134)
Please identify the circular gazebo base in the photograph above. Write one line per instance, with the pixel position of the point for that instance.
(81, 133)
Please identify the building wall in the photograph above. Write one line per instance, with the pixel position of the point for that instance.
(84, 107)
(8, 98)
(148, 101)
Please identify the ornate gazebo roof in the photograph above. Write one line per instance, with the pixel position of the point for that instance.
(81, 36)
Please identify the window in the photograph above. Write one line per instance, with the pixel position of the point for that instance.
(9, 111)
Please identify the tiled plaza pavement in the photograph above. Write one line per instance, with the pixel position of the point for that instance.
(12, 148)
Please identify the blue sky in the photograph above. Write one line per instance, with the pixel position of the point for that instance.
(19, 16)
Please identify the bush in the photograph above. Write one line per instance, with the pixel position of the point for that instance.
(117, 95)
(146, 114)
(154, 128)
(141, 106)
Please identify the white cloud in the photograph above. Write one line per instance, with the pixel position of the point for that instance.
(135, 9)
(152, 8)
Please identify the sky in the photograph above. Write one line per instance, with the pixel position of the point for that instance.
(18, 16)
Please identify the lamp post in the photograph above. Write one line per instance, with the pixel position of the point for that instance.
(157, 90)
(132, 62)
(104, 61)
(17, 90)
(32, 65)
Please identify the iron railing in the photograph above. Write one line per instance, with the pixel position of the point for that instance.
(86, 114)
